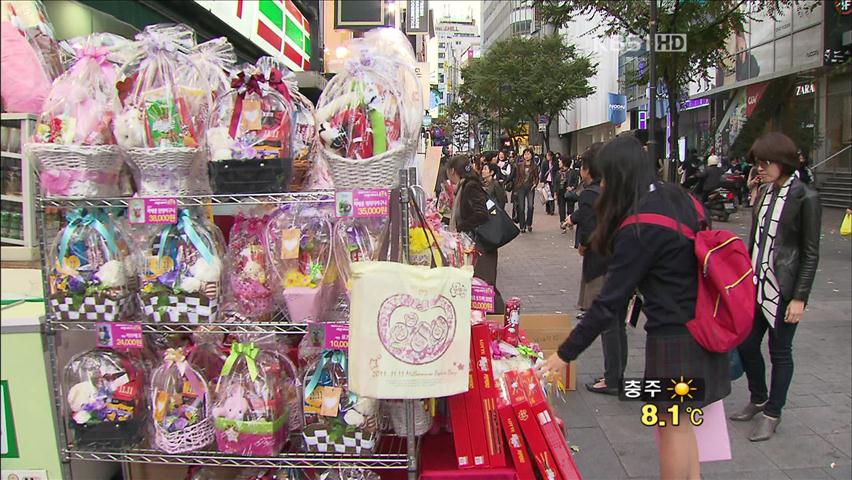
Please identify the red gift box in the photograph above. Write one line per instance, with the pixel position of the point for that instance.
(530, 427)
(476, 421)
(512, 431)
(481, 364)
(549, 428)
(461, 435)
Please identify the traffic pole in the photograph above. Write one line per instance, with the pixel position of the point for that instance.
(652, 87)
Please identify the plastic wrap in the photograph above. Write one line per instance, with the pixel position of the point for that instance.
(249, 403)
(180, 280)
(104, 399)
(357, 240)
(207, 354)
(90, 263)
(248, 296)
(299, 239)
(215, 60)
(30, 18)
(180, 405)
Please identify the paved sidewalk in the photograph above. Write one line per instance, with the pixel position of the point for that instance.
(814, 440)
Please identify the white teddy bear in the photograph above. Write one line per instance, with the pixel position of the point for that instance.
(129, 129)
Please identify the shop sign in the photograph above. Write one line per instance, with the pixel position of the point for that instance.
(8, 440)
(542, 123)
(617, 108)
(360, 15)
(694, 103)
(276, 26)
(805, 88)
(643, 120)
(753, 95)
(417, 16)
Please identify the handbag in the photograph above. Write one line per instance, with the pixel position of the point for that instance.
(846, 226)
(497, 231)
(571, 196)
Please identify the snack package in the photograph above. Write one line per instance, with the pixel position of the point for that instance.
(299, 239)
(181, 275)
(371, 112)
(104, 399)
(180, 405)
(249, 407)
(336, 419)
(248, 296)
(90, 264)
(357, 240)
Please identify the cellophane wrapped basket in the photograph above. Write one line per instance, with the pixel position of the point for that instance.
(162, 124)
(336, 419)
(357, 240)
(90, 266)
(253, 131)
(249, 409)
(105, 400)
(299, 240)
(180, 280)
(248, 295)
(369, 115)
(180, 405)
(73, 146)
(208, 354)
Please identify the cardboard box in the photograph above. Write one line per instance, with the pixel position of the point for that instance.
(544, 460)
(549, 428)
(512, 431)
(476, 423)
(461, 435)
(481, 364)
(548, 330)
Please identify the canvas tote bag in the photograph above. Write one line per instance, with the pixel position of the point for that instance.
(409, 330)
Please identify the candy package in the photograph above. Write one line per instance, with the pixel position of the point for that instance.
(369, 115)
(162, 124)
(180, 405)
(90, 265)
(252, 130)
(299, 239)
(249, 406)
(248, 296)
(105, 400)
(182, 270)
(73, 146)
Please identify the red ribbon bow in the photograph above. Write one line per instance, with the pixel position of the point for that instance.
(276, 81)
(244, 84)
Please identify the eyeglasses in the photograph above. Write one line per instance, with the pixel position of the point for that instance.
(763, 164)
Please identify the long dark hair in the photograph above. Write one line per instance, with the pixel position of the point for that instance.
(462, 166)
(627, 173)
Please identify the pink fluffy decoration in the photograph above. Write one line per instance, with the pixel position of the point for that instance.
(23, 83)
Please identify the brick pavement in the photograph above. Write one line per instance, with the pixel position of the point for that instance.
(814, 440)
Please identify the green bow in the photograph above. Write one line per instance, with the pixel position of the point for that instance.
(247, 350)
(527, 351)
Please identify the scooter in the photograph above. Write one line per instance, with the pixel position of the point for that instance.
(720, 204)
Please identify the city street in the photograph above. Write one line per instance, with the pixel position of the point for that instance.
(814, 439)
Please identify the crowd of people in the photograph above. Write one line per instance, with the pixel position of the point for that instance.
(655, 268)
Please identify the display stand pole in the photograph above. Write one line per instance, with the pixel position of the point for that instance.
(405, 176)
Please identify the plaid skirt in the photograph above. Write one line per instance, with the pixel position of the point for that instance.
(672, 356)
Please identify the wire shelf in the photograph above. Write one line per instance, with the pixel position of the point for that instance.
(319, 196)
(394, 459)
(168, 327)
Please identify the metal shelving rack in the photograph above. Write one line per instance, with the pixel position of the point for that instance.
(398, 453)
(21, 248)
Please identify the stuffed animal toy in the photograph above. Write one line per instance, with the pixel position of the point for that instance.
(332, 137)
(129, 129)
(364, 408)
(234, 407)
(78, 396)
(220, 143)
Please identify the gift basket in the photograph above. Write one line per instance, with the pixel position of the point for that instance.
(369, 115)
(73, 146)
(300, 253)
(252, 132)
(208, 354)
(180, 405)
(248, 296)
(249, 403)
(105, 399)
(182, 271)
(89, 263)
(357, 240)
(162, 126)
(336, 419)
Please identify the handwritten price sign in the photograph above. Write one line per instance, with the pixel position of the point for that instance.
(482, 298)
(119, 336)
(372, 203)
(152, 211)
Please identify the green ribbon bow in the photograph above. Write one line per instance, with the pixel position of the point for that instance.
(527, 351)
(246, 350)
(94, 219)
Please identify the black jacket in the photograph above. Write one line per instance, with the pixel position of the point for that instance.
(552, 167)
(711, 178)
(473, 210)
(497, 192)
(797, 240)
(594, 264)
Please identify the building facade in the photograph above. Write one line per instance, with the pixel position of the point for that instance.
(453, 39)
(502, 19)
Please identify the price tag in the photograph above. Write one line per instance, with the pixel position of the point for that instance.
(290, 239)
(119, 336)
(482, 298)
(370, 203)
(157, 211)
(330, 335)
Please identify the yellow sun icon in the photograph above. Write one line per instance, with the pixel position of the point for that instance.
(681, 389)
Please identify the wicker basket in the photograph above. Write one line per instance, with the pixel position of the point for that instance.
(379, 171)
(167, 171)
(77, 170)
(189, 439)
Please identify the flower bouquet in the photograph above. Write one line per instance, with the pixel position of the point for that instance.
(104, 396)
(73, 145)
(248, 296)
(90, 263)
(250, 414)
(180, 405)
(183, 266)
(300, 252)
(357, 240)
(369, 115)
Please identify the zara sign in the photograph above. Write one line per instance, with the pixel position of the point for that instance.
(805, 88)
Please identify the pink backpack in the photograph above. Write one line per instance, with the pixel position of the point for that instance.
(724, 309)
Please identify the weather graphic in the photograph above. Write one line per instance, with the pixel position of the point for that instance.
(682, 389)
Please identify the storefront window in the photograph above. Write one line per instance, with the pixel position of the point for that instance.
(783, 53)
(838, 123)
(806, 45)
(764, 60)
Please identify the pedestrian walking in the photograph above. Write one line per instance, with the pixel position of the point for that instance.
(803, 171)
(549, 171)
(492, 187)
(661, 263)
(566, 193)
(753, 184)
(784, 244)
(470, 211)
(526, 180)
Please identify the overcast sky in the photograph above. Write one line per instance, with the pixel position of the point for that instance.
(456, 9)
